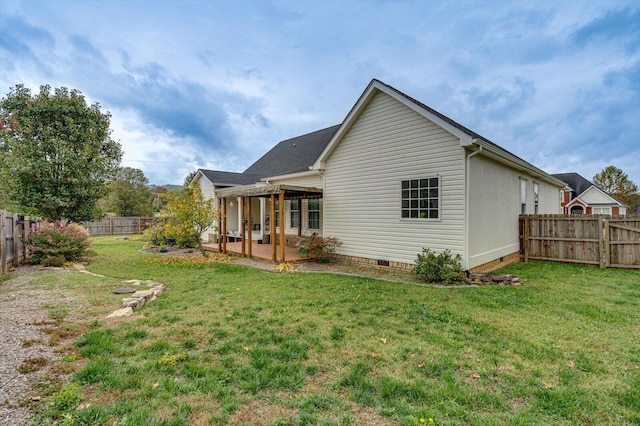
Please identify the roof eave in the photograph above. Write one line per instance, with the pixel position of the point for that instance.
(312, 172)
(504, 157)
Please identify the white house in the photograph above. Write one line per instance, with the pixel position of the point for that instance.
(396, 177)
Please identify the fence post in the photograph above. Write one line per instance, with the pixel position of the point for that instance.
(110, 225)
(602, 239)
(139, 225)
(526, 238)
(16, 240)
(607, 242)
(3, 242)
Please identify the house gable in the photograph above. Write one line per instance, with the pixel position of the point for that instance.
(386, 144)
(596, 196)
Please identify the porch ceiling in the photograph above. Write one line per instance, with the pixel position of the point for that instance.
(291, 192)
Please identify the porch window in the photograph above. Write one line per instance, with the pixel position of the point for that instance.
(294, 213)
(314, 214)
(277, 213)
(421, 198)
(602, 210)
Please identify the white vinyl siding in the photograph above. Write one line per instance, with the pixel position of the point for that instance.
(495, 202)
(386, 144)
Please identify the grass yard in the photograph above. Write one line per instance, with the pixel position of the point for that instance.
(227, 344)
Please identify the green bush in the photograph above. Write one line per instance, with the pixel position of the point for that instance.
(440, 268)
(55, 240)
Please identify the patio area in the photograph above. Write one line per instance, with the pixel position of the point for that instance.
(260, 251)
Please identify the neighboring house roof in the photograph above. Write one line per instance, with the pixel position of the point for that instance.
(580, 185)
(292, 155)
(576, 182)
(467, 136)
(220, 178)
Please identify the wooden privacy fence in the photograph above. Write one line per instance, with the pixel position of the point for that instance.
(596, 240)
(119, 225)
(12, 232)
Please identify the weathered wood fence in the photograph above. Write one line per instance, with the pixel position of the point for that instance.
(605, 241)
(12, 231)
(119, 225)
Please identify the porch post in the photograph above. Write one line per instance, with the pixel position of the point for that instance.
(299, 218)
(249, 227)
(273, 227)
(224, 225)
(220, 226)
(282, 224)
(243, 235)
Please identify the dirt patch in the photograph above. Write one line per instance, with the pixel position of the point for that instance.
(30, 341)
(260, 413)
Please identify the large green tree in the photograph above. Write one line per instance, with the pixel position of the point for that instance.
(617, 183)
(128, 194)
(58, 151)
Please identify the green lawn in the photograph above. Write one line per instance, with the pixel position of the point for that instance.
(233, 345)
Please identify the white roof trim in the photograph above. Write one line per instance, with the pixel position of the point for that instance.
(292, 175)
(489, 149)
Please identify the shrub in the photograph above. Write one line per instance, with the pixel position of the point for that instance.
(440, 268)
(68, 241)
(155, 235)
(323, 249)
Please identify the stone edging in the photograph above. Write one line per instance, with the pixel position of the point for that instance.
(139, 298)
(481, 278)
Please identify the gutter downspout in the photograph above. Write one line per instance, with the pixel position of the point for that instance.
(467, 196)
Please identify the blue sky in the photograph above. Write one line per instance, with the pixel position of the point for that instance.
(215, 84)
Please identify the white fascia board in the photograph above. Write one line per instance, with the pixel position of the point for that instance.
(355, 111)
(373, 88)
(511, 160)
(312, 172)
(198, 176)
(465, 139)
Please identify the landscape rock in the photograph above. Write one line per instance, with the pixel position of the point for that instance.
(133, 302)
(124, 312)
(481, 278)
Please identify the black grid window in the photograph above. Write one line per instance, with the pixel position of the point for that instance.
(294, 213)
(421, 198)
(314, 214)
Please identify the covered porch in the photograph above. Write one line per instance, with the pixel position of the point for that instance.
(260, 251)
(271, 242)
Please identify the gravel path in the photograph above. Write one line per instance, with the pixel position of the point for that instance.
(21, 339)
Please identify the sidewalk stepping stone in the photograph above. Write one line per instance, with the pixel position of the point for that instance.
(124, 290)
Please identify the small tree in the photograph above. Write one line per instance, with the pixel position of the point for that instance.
(186, 216)
(58, 152)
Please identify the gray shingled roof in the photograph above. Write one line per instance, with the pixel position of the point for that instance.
(575, 182)
(292, 155)
(219, 178)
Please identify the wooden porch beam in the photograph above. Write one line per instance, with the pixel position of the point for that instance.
(243, 234)
(224, 225)
(220, 226)
(272, 223)
(282, 225)
(249, 227)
